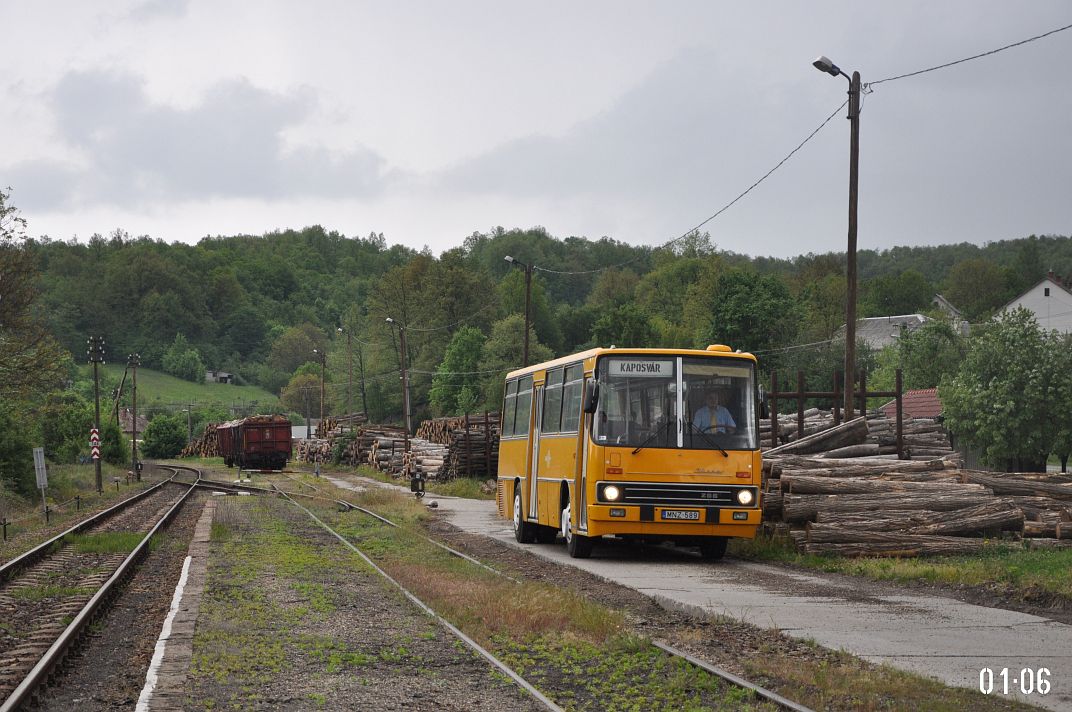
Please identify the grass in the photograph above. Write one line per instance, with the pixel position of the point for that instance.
(107, 542)
(1023, 574)
(38, 593)
(459, 487)
(155, 387)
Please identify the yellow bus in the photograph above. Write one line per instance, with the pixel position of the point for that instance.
(649, 444)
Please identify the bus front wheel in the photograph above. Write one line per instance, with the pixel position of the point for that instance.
(714, 548)
(524, 532)
(578, 546)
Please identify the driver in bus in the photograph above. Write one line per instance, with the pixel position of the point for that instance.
(713, 417)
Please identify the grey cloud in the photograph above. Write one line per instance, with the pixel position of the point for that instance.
(230, 145)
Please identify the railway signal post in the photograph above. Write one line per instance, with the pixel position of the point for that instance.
(95, 354)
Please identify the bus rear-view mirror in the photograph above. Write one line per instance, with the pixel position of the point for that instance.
(591, 395)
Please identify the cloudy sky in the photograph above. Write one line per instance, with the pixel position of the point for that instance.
(427, 121)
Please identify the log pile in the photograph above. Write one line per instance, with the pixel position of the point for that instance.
(205, 445)
(875, 435)
(335, 425)
(472, 444)
(878, 507)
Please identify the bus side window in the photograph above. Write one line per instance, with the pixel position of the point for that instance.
(524, 406)
(552, 402)
(571, 398)
(509, 407)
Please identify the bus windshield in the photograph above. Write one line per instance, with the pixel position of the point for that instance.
(641, 396)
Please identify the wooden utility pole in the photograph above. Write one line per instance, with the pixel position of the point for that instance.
(850, 270)
(133, 360)
(95, 354)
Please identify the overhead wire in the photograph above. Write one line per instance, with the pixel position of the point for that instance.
(721, 210)
(968, 59)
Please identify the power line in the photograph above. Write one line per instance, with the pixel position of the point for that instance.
(447, 326)
(968, 59)
(721, 210)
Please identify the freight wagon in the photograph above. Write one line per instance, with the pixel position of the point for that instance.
(256, 442)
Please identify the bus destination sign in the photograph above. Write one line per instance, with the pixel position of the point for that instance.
(642, 368)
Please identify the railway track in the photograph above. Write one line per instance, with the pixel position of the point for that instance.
(50, 594)
(757, 691)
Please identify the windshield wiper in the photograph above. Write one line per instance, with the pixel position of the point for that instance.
(651, 437)
(708, 437)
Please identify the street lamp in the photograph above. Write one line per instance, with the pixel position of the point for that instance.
(322, 358)
(405, 384)
(528, 300)
(823, 64)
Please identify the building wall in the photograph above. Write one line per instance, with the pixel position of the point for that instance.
(1052, 312)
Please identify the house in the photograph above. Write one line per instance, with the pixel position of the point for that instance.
(1050, 301)
(882, 331)
(922, 403)
(212, 376)
(956, 318)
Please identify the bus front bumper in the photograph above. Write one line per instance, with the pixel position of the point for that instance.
(688, 521)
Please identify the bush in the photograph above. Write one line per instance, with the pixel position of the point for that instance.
(165, 436)
(16, 453)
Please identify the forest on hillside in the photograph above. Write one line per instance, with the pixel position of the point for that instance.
(258, 306)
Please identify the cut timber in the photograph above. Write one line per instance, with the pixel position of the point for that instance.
(1017, 486)
(901, 545)
(995, 515)
(852, 432)
(809, 484)
(853, 466)
(804, 507)
(861, 450)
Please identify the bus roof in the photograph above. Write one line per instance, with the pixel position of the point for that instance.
(599, 351)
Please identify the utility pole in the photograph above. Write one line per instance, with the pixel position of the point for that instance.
(349, 371)
(133, 360)
(322, 358)
(405, 386)
(823, 64)
(305, 398)
(361, 368)
(95, 354)
(189, 423)
(528, 303)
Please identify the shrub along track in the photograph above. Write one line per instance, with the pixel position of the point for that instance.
(51, 594)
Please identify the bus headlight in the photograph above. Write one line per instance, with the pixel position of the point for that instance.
(611, 493)
(745, 497)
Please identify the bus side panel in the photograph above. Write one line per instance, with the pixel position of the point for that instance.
(558, 463)
(513, 454)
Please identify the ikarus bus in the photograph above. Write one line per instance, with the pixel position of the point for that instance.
(654, 444)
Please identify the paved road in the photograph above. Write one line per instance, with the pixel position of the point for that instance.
(932, 635)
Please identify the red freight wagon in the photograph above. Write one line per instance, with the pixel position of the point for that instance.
(256, 442)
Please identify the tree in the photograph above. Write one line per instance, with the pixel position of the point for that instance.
(977, 286)
(182, 361)
(30, 358)
(625, 325)
(302, 394)
(1005, 399)
(295, 346)
(65, 423)
(906, 293)
(747, 311)
(502, 353)
(929, 354)
(458, 374)
(164, 437)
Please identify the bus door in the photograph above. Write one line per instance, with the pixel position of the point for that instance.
(580, 488)
(534, 448)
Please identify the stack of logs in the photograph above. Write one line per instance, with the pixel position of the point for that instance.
(338, 423)
(924, 439)
(878, 507)
(206, 445)
(472, 444)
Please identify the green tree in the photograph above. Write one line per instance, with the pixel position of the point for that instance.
(165, 436)
(749, 312)
(302, 394)
(502, 353)
(183, 361)
(929, 354)
(977, 286)
(458, 374)
(1001, 400)
(295, 346)
(16, 451)
(906, 293)
(65, 423)
(541, 316)
(625, 325)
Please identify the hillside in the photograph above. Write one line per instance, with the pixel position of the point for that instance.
(158, 390)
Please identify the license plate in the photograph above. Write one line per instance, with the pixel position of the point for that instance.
(680, 514)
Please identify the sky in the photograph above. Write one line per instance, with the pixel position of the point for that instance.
(429, 121)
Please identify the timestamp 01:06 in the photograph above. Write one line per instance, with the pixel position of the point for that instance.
(1027, 682)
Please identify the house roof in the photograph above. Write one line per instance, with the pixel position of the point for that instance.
(923, 403)
(881, 331)
(125, 420)
(1050, 278)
